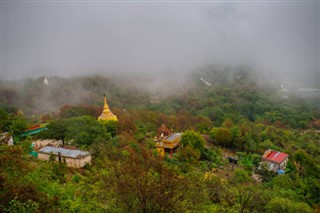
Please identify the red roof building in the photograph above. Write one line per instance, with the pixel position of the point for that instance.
(275, 160)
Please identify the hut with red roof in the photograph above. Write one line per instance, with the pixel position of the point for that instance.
(275, 160)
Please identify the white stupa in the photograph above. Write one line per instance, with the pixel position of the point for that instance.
(45, 81)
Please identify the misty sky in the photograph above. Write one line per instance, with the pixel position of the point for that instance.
(280, 39)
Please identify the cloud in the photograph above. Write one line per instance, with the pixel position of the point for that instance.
(159, 38)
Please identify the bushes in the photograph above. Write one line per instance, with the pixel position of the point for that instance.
(284, 205)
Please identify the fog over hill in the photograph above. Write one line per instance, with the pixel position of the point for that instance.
(165, 40)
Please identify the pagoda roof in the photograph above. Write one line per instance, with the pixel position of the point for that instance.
(170, 142)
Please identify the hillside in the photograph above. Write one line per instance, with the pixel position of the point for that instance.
(221, 115)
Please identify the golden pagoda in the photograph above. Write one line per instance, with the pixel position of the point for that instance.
(107, 115)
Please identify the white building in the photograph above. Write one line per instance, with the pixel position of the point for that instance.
(73, 158)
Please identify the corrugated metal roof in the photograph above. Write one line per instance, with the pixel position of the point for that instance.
(277, 156)
(64, 152)
(34, 131)
(174, 136)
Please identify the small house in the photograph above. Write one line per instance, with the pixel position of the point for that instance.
(73, 158)
(275, 160)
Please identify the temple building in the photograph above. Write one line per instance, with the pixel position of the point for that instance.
(107, 115)
(168, 144)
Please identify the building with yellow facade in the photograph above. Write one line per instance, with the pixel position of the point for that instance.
(106, 114)
(169, 144)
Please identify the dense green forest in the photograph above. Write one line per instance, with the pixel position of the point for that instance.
(225, 115)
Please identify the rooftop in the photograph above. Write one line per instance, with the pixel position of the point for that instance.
(174, 136)
(64, 152)
(170, 142)
(33, 131)
(275, 156)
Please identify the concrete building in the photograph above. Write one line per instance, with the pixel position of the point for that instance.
(73, 158)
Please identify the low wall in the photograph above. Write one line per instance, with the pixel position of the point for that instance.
(71, 162)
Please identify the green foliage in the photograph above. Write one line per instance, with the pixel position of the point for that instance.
(282, 205)
(222, 136)
(188, 155)
(111, 127)
(212, 155)
(140, 133)
(55, 130)
(17, 125)
(249, 161)
(307, 165)
(193, 139)
(16, 195)
(80, 131)
(241, 176)
(58, 171)
(126, 176)
(283, 182)
(266, 174)
(16, 206)
(85, 130)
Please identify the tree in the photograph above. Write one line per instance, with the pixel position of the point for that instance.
(283, 205)
(188, 156)
(307, 166)
(193, 139)
(85, 130)
(215, 186)
(55, 130)
(82, 131)
(241, 176)
(16, 206)
(111, 127)
(16, 194)
(17, 125)
(140, 133)
(222, 136)
(143, 183)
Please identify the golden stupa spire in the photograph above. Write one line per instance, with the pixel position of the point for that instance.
(106, 114)
(105, 106)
